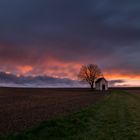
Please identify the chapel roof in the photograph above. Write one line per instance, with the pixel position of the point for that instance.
(100, 79)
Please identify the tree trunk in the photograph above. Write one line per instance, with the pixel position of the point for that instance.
(92, 86)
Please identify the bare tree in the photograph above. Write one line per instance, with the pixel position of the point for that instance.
(89, 74)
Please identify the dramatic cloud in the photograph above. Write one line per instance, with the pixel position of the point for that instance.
(113, 83)
(7, 79)
(55, 37)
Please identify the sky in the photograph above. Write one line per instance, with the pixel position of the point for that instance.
(54, 38)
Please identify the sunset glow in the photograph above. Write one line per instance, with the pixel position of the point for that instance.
(61, 37)
(59, 69)
(24, 69)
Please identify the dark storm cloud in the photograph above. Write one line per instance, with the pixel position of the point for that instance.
(113, 83)
(103, 31)
(38, 81)
(44, 81)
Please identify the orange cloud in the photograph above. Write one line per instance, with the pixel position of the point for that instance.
(25, 69)
(61, 69)
(118, 75)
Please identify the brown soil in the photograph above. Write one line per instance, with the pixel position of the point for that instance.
(22, 108)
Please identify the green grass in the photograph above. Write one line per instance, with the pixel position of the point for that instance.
(117, 117)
